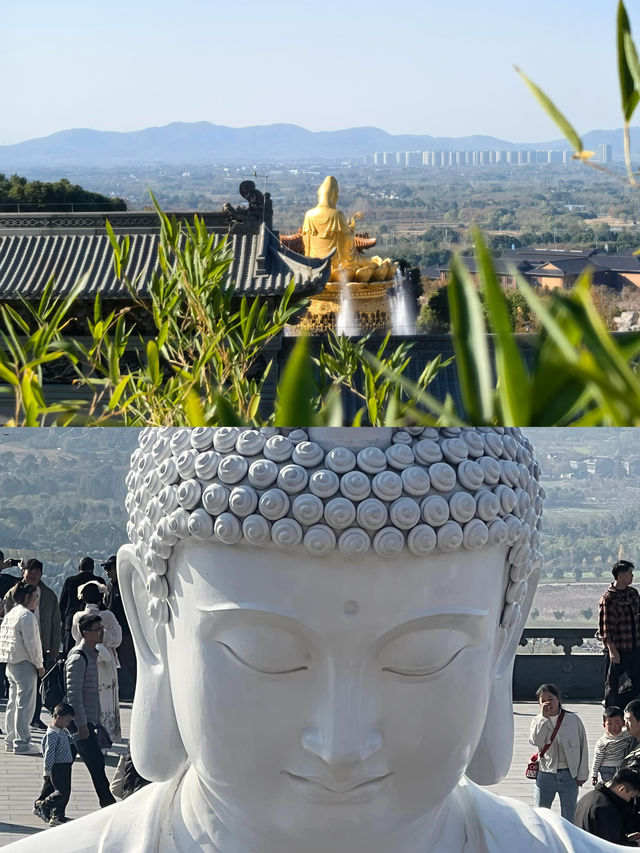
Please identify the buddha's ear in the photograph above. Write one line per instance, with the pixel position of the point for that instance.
(492, 758)
(156, 746)
(491, 761)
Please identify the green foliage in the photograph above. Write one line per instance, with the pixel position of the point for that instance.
(434, 316)
(39, 195)
(206, 360)
(373, 378)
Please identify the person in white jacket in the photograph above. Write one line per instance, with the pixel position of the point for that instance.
(21, 649)
(565, 765)
(92, 594)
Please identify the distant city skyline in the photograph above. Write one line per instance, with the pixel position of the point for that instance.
(411, 67)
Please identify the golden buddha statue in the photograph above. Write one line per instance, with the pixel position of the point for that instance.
(358, 284)
(325, 228)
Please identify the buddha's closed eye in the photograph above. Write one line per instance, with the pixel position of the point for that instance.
(422, 654)
(265, 649)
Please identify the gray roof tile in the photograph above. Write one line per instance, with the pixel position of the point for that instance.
(260, 264)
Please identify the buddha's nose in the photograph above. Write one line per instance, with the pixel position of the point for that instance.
(344, 730)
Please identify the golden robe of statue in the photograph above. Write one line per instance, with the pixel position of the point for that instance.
(325, 228)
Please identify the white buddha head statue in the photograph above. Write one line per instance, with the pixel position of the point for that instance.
(326, 619)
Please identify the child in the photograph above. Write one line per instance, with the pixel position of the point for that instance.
(612, 746)
(56, 749)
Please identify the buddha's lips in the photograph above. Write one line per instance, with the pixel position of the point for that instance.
(335, 787)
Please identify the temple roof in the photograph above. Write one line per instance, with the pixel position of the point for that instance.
(36, 246)
(260, 265)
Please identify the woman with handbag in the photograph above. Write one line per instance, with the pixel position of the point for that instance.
(563, 752)
(21, 649)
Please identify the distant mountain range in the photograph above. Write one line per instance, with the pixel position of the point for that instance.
(203, 143)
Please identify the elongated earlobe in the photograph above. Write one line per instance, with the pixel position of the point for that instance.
(156, 745)
(491, 761)
(492, 758)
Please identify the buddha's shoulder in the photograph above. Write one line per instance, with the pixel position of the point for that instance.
(115, 829)
(504, 824)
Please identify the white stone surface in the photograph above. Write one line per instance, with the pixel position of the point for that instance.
(289, 704)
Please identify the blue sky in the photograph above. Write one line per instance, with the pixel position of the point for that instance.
(407, 66)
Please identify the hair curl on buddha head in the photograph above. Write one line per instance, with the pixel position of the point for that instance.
(429, 490)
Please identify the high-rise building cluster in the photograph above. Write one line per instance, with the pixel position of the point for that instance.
(604, 153)
(516, 157)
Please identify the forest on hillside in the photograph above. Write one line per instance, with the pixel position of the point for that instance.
(17, 194)
(63, 495)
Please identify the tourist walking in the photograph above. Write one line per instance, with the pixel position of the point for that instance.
(127, 673)
(21, 650)
(57, 764)
(81, 672)
(69, 603)
(564, 766)
(607, 810)
(619, 623)
(92, 595)
(47, 614)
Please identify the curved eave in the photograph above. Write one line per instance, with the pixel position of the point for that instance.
(272, 267)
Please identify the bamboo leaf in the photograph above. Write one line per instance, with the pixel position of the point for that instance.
(570, 134)
(118, 391)
(226, 414)
(514, 387)
(470, 345)
(628, 92)
(296, 389)
(154, 362)
(633, 62)
(115, 247)
(193, 410)
(8, 376)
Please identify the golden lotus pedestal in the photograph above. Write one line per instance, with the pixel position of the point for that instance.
(369, 305)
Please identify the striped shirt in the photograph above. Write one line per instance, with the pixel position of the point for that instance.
(56, 748)
(610, 750)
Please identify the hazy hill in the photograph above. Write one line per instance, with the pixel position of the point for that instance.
(200, 143)
(203, 143)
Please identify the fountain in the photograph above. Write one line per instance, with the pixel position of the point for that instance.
(347, 319)
(403, 318)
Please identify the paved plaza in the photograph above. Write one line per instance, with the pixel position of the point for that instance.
(21, 781)
(21, 776)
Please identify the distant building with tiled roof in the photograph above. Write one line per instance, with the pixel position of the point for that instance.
(554, 268)
(36, 246)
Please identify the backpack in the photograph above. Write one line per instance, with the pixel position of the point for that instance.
(53, 688)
